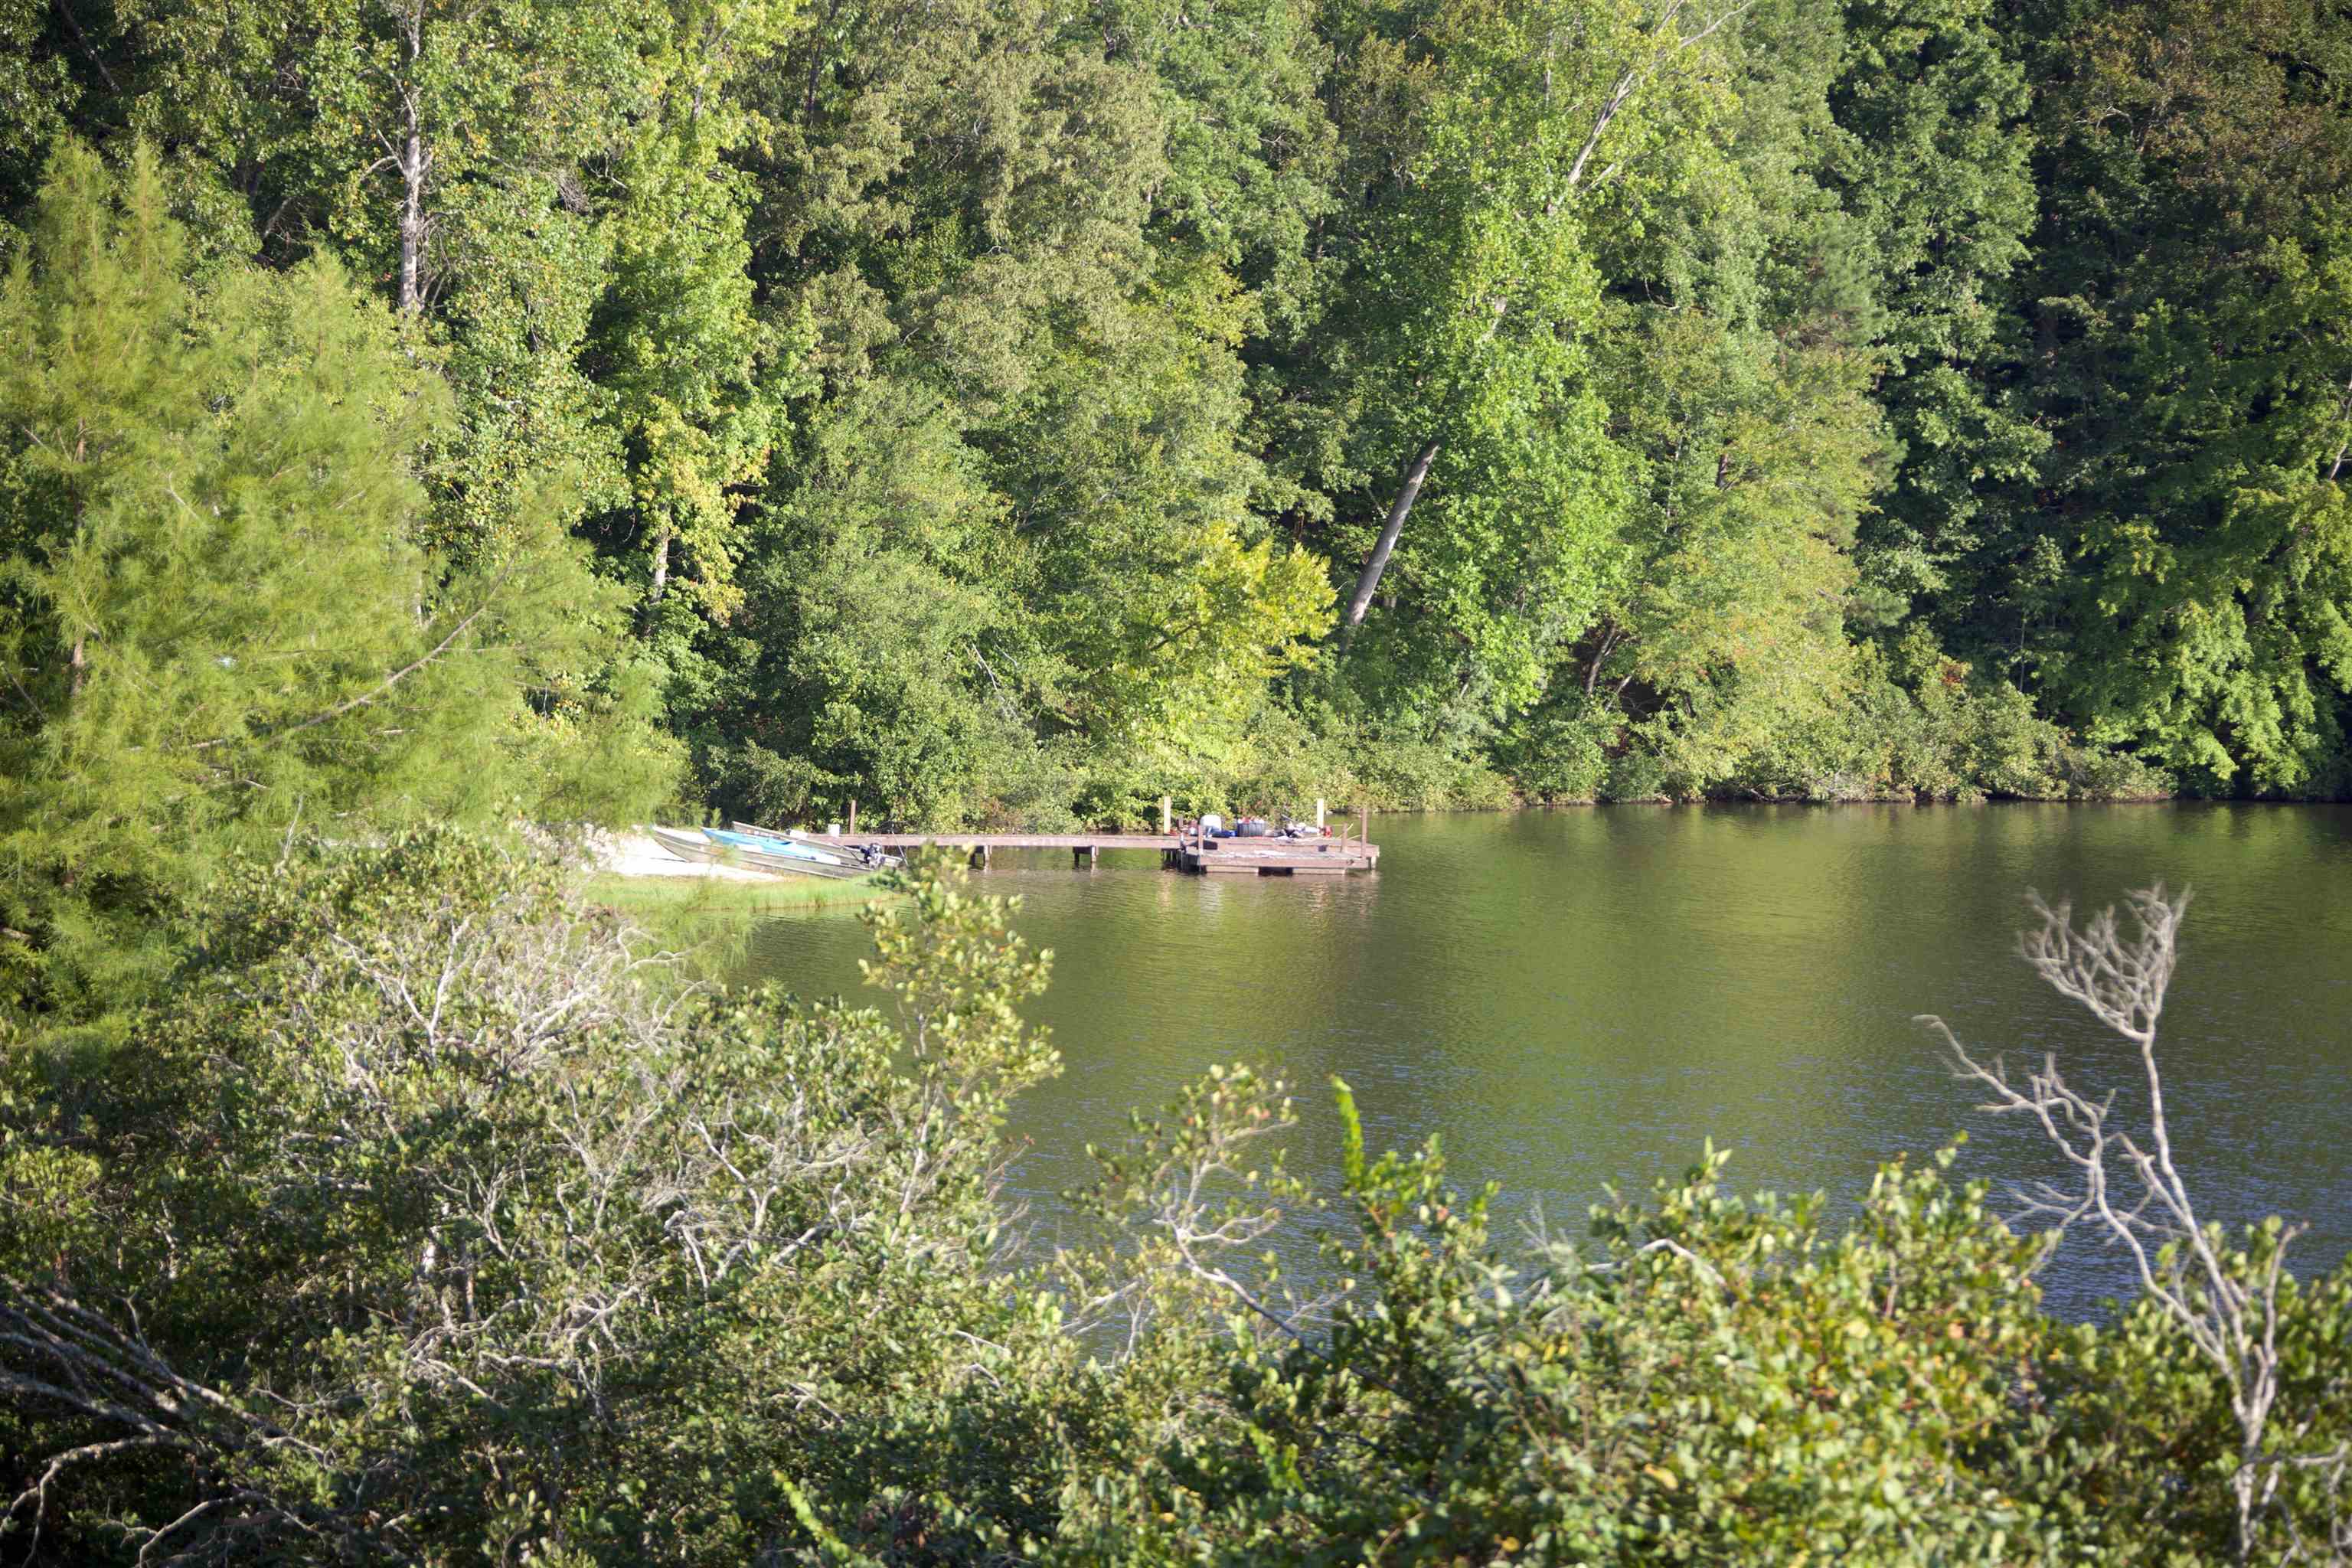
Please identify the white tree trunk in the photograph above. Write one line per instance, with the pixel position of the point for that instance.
(2344, 410)
(1367, 581)
(415, 162)
(660, 585)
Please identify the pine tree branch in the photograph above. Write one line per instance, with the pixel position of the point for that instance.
(429, 657)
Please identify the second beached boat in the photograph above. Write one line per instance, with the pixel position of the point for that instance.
(764, 853)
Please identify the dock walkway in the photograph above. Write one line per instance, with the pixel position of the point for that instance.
(1184, 852)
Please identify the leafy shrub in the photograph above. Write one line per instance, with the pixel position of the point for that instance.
(1559, 752)
(1921, 727)
(437, 1216)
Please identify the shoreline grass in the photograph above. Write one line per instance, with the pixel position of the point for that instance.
(718, 896)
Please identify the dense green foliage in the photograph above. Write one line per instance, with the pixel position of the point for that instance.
(436, 1217)
(994, 412)
(223, 612)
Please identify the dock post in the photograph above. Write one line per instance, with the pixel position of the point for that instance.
(980, 857)
(1167, 814)
(1366, 824)
(1318, 811)
(852, 819)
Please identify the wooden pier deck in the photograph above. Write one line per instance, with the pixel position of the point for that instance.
(1277, 856)
(1184, 852)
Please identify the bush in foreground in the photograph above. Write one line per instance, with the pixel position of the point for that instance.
(438, 1217)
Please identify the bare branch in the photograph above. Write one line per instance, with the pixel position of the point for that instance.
(2126, 1183)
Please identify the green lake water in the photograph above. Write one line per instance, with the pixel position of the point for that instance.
(1577, 997)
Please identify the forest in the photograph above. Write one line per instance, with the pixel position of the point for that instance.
(1001, 413)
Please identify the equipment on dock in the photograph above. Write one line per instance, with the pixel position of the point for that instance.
(1275, 856)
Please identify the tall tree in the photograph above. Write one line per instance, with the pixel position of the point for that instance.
(1931, 159)
(1458, 345)
(219, 620)
(1745, 326)
(696, 376)
(2182, 586)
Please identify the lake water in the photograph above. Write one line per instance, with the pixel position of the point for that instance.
(1578, 998)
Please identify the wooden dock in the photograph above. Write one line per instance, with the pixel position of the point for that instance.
(1275, 857)
(1182, 851)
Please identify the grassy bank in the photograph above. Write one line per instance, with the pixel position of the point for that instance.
(714, 896)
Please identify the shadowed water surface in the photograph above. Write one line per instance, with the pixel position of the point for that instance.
(1579, 998)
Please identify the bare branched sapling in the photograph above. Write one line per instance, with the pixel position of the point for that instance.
(2127, 1184)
